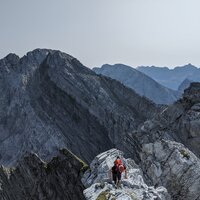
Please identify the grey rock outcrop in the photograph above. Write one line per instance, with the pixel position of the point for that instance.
(165, 162)
(173, 166)
(59, 179)
(49, 100)
(179, 122)
(100, 185)
(140, 83)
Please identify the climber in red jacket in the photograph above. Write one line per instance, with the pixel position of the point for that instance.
(117, 171)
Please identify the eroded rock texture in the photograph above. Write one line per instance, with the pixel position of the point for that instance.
(100, 185)
(59, 179)
(173, 166)
(50, 100)
(179, 122)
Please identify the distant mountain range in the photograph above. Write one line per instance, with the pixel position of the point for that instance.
(172, 78)
(141, 83)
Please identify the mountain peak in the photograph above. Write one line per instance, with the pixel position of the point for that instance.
(187, 66)
(11, 59)
(190, 65)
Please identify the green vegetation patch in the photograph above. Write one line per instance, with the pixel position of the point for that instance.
(184, 153)
(105, 195)
(133, 197)
(68, 152)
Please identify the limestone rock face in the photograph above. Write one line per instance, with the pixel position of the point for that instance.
(49, 100)
(179, 122)
(59, 179)
(173, 166)
(100, 185)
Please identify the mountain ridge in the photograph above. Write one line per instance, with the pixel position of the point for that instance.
(33, 178)
(139, 82)
(172, 78)
(49, 100)
(52, 93)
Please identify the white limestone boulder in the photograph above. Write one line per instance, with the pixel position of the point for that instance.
(99, 184)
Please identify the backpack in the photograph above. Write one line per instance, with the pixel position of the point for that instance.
(118, 162)
(121, 168)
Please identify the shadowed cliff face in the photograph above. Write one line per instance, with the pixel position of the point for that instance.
(179, 122)
(34, 179)
(50, 100)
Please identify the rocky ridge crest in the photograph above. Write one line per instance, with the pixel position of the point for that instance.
(179, 122)
(34, 179)
(100, 185)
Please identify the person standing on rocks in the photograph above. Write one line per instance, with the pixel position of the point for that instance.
(117, 170)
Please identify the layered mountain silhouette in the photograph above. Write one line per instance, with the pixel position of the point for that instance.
(49, 100)
(184, 85)
(172, 78)
(139, 82)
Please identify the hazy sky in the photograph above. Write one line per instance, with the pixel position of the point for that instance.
(133, 32)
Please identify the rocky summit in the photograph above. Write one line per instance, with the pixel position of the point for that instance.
(100, 186)
(49, 100)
